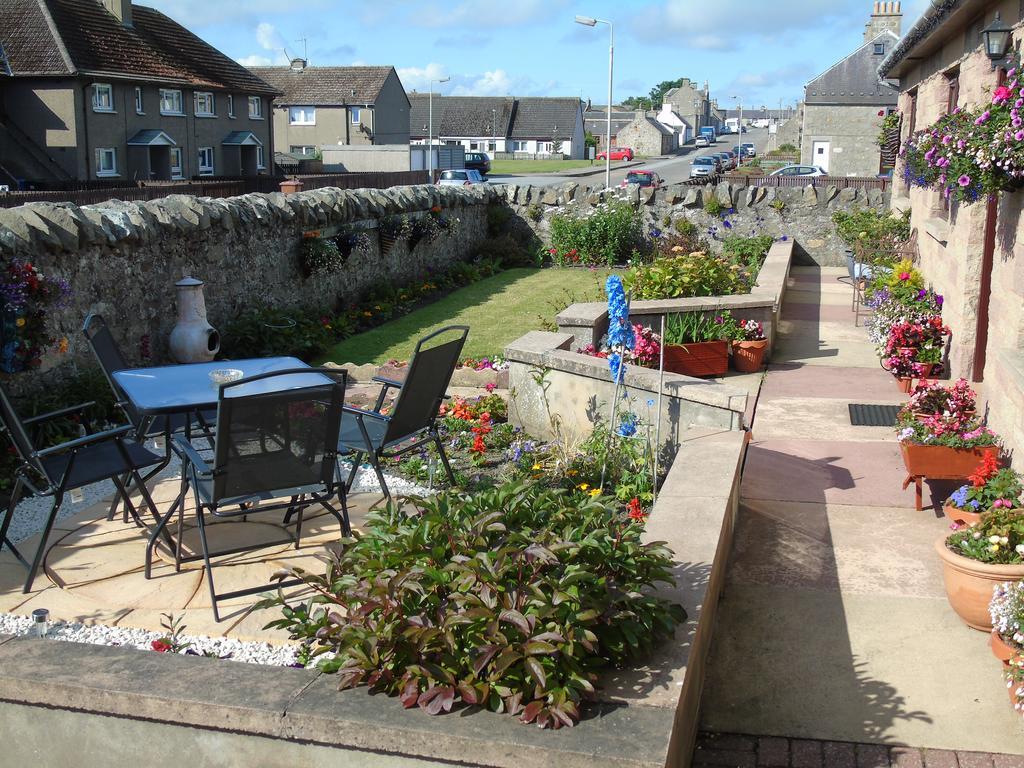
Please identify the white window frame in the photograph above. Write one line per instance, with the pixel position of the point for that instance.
(302, 115)
(97, 89)
(204, 104)
(169, 92)
(260, 159)
(300, 149)
(206, 170)
(255, 114)
(138, 101)
(355, 113)
(177, 171)
(111, 153)
(231, 105)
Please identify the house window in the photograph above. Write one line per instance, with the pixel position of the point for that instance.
(302, 149)
(302, 115)
(354, 111)
(952, 91)
(176, 169)
(102, 98)
(231, 105)
(106, 161)
(206, 161)
(879, 49)
(492, 147)
(474, 145)
(912, 112)
(138, 100)
(204, 104)
(255, 108)
(259, 158)
(170, 102)
(518, 146)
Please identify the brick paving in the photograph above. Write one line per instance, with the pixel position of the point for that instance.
(732, 750)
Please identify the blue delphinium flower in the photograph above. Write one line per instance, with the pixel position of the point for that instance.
(615, 364)
(627, 427)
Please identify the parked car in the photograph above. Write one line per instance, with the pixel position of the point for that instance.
(728, 160)
(643, 178)
(705, 166)
(478, 161)
(458, 177)
(701, 141)
(618, 153)
(800, 170)
(749, 149)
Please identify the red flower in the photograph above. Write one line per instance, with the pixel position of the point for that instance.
(986, 470)
(161, 646)
(636, 512)
(881, 113)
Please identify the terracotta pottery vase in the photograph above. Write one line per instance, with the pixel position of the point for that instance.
(969, 584)
(748, 356)
(1001, 649)
(904, 384)
(961, 516)
(926, 370)
(706, 358)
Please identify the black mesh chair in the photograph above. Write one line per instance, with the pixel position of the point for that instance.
(412, 421)
(109, 356)
(276, 441)
(54, 471)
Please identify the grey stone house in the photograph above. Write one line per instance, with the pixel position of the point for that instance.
(844, 105)
(691, 103)
(319, 106)
(527, 125)
(647, 137)
(595, 121)
(102, 89)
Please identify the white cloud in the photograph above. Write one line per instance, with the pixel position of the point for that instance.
(417, 78)
(255, 61)
(267, 36)
(496, 83)
(195, 14)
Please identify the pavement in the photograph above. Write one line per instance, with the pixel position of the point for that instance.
(834, 625)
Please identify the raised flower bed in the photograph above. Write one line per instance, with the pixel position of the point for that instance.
(991, 486)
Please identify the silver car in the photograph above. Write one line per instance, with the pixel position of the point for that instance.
(704, 166)
(460, 177)
(800, 170)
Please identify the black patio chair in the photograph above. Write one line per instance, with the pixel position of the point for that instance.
(54, 471)
(108, 354)
(412, 420)
(272, 444)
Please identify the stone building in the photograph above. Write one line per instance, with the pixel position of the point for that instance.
(595, 118)
(647, 137)
(941, 65)
(844, 105)
(691, 103)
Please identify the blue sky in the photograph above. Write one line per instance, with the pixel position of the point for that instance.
(760, 50)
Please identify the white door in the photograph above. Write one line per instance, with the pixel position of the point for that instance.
(820, 153)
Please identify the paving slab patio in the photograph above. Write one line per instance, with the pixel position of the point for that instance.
(834, 624)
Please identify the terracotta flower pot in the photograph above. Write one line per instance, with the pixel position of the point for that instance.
(1001, 649)
(969, 584)
(926, 370)
(939, 462)
(748, 356)
(706, 358)
(904, 383)
(961, 516)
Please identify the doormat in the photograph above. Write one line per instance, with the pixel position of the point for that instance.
(871, 415)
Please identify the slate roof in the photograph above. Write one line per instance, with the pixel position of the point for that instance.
(934, 17)
(325, 86)
(537, 116)
(469, 116)
(80, 37)
(595, 120)
(662, 128)
(854, 80)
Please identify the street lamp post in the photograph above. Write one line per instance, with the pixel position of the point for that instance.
(589, 21)
(430, 127)
(739, 126)
(494, 130)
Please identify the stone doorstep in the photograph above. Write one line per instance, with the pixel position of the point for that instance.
(656, 726)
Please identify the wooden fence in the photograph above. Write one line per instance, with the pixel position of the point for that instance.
(92, 192)
(839, 182)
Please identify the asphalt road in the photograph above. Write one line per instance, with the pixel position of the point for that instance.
(673, 168)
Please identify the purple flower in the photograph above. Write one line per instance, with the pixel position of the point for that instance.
(727, 225)
(964, 180)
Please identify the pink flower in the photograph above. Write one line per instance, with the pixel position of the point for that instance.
(964, 180)
(1002, 503)
(1000, 94)
(490, 386)
(904, 276)
(1019, 135)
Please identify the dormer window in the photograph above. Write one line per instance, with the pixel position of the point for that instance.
(879, 49)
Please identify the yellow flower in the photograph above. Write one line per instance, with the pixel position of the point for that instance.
(572, 472)
(584, 486)
(535, 466)
(62, 345)
(596, 492)
(21, 322)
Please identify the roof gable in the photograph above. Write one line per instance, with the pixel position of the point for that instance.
(62, 37)
(326, 86)
(854, 79)
(540, 117)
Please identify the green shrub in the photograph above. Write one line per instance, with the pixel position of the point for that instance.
(535, 212)
(687, 274)
(713, 206)
(508, 598)
(748, 252)
(787, 149)
(698, 327)
(270, 332)
(873, 229)
(607, 234)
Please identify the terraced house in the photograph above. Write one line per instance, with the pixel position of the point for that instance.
(103, 89)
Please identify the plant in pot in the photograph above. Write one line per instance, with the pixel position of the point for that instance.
(1006, 610)
(696, 343)
(928, 360)
(901, 365)
(991, 486)
(749, 345)
(977, 559)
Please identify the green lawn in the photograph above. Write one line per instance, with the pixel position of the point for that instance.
(498, 310)
(537, 166)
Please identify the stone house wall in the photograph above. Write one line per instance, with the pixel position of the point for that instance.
(951, 238)
(645, 138)
(791, 131)
(851, 131)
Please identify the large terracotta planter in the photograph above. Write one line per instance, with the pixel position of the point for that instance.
(937, 462)
(969, 584)
(961, 516)
(748, 356)
(706, 358)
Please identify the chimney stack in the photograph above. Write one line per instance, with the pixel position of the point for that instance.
(885, 16)
(297, 64)
(122, 9)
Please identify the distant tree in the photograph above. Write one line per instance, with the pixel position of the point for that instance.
(657, 95)
(637, 102)
(589, 139)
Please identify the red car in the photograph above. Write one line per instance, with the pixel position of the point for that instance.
(618, 153)
(643, 178)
